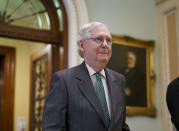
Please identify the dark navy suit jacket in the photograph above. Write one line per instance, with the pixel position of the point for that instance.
(72, 104)
(173, 101)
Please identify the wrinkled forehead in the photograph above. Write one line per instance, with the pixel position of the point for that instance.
(100, 31)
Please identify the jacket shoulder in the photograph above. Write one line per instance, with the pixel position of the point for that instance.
(69, 71)
(115, 74)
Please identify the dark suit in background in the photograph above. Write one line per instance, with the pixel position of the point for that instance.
(72, 103)
(173, 101)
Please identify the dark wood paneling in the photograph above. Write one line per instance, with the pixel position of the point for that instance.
(8, 88)
(29, 34)
(63, 52)
(2, 57)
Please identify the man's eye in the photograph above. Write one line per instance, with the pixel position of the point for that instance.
(108, 40)
(99, 39)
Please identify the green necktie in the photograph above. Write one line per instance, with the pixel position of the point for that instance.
(101, 97)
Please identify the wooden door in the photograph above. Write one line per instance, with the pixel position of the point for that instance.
(7, 69)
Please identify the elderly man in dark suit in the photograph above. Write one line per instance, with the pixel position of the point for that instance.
(173, 101)
(88, 97)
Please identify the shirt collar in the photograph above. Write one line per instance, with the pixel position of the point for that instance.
(92, 71)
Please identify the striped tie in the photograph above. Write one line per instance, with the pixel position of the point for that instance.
(101, 97)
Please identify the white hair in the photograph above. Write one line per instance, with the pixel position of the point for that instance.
(85, 33)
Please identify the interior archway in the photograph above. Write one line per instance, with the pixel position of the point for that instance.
(54, 34)
(74, 14)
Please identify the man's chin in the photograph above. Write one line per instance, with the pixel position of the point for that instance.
(103, 60)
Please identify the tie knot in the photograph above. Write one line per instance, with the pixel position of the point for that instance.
(98, 75)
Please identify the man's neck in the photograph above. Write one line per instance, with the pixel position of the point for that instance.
(98, 67)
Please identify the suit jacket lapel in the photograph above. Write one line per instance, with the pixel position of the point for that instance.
(86, 87)
(112, 87)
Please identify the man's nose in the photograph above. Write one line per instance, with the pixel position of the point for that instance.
(104, 43)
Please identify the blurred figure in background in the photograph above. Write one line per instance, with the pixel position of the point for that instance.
(172, 99)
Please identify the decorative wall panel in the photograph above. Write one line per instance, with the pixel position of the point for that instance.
(39, 89)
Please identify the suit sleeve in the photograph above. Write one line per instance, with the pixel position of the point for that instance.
(55, 108)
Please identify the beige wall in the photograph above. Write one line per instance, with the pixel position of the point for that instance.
(24, 49)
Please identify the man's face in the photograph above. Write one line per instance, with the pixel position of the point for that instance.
(95, 53)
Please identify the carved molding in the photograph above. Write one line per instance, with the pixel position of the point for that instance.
(28, 34)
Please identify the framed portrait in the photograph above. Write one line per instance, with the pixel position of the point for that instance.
(134, 59)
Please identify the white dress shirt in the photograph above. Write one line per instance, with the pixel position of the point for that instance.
(94, 81)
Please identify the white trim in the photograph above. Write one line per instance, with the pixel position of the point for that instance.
(165, 65)
(166, 44)
(77, 16)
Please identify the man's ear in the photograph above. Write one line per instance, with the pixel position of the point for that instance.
(81, 45)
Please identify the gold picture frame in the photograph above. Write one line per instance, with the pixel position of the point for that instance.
(134, 59)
